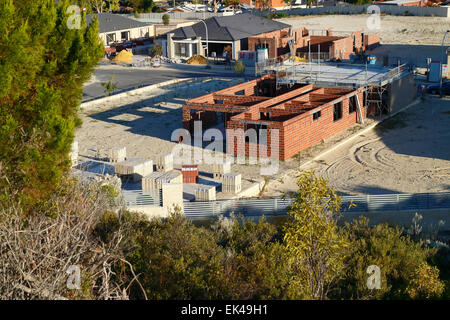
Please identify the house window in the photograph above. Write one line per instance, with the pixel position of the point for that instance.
(125, 35)
(110, 38)
(337, 112)
(240, 93)
(316, 115)
(352, 104)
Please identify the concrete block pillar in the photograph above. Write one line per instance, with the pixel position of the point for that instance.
(172, 195)
(117, 154)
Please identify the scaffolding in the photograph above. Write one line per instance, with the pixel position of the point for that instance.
(373, 80)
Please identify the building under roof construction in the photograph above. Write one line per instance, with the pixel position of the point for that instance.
(298, 107)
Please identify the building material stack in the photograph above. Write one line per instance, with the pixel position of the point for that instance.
(117, 154)
(74, 153)
(134, 168)
(221, 168)
(190, 173)
(231, 183)
(205, 193)
(164, 162)
(155, 180)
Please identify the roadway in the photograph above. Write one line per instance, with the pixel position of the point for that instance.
(128, 78)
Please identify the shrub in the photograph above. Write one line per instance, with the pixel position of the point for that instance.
(239, 67)
(166, 19)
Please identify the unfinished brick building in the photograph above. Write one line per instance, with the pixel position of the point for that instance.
(303, 115)
(300, 41)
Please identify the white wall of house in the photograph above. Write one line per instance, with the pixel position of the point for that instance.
(142, 32)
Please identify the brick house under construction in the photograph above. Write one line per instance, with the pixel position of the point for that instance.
(299, 41)
(303, 114)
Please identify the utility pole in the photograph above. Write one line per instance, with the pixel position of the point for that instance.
(309, 59)
(442, 57)
(206, 28)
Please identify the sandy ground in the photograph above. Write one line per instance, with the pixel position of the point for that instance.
(406, 39)
(144, 124)
(409, 153)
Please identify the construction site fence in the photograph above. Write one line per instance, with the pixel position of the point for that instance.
(139, 198)
(360, 9)
(277, 207)
(179, 15)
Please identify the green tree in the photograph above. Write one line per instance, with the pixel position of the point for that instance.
(255, 259)
(176, 260)
(317, 248)
(425, 283)
(156, 50)
(165, 19)
(143, 5)
(399, 258)
(44, 62)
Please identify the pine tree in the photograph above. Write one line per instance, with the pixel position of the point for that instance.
(44, 61)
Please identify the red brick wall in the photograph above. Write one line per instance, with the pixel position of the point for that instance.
(298, 133)
(371, 40)
(280, 45)
(341, 48)
(303, 132)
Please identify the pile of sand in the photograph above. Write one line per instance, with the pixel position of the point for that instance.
(298, 59)
(196, 59)
(123, 56)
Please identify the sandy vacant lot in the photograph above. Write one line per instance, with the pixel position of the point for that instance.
(409, 153)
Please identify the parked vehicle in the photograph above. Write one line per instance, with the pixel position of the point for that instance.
(434, 88)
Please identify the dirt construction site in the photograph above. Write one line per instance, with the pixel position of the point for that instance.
(409, 153)
(406, 153)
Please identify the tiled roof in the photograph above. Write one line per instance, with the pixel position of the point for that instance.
(109, 22)
(229, 28)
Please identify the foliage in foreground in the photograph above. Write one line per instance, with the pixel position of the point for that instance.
(124, 255)
(68, 232)
(43, 64)
(307, 257)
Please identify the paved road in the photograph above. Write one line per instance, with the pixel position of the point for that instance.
(130, 78)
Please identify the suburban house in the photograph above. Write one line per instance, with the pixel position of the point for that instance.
(405, 3)
(115, 28)
(247, 32)
(227, 31)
